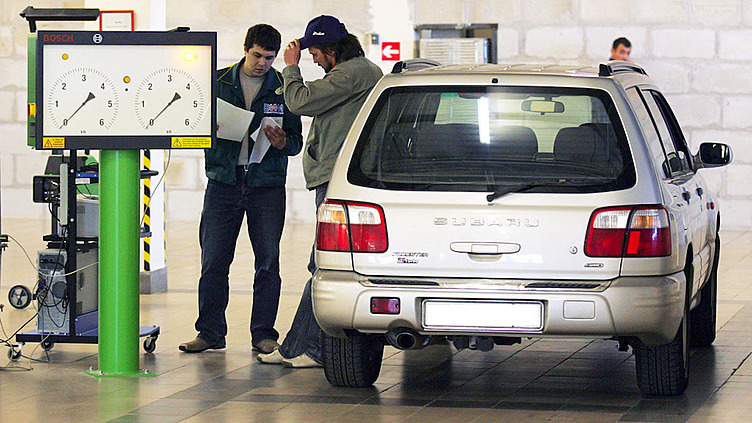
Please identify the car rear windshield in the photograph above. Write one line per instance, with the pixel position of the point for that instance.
(491, 138)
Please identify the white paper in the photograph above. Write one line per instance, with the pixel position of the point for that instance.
(232, 122)
(262, 144)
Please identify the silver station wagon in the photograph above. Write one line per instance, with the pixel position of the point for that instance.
(485, 204)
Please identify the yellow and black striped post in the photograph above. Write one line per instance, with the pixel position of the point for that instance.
(147, 213)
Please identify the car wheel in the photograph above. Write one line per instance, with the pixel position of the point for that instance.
(354, 361)
(703, 317)
(664, 369)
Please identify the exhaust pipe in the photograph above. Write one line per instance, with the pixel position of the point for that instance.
(407, 339)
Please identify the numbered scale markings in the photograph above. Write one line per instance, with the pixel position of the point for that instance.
(159, 93)
(82, 98)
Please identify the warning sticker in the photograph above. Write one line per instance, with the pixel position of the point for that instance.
(191, 142)
(56, 142)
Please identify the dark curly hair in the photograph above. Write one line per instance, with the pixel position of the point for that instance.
(264, 36)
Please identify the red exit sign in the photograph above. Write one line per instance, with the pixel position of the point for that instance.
(390, 50)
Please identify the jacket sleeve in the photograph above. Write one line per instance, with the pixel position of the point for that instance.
(315, 97)
(293, 133)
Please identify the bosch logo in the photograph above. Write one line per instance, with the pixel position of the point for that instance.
(97, 38)
(57, 38)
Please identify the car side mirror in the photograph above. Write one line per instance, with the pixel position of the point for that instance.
(713, 154)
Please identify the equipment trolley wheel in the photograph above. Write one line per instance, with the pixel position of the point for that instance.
(47, 345)
(19, 296)
(14, 353)
(150, 344)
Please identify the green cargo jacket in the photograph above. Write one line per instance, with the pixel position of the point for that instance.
(333, 101)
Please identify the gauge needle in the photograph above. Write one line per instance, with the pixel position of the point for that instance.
(174, 98)
(88, 99)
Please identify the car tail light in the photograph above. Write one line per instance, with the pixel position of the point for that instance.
(380, 305)
(351, 227)
(642, 231)
(331, 230)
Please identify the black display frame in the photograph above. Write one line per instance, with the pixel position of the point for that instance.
(104, 39)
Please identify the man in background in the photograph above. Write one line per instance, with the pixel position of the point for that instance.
(621, 49)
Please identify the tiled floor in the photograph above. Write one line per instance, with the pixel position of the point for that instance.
(539, 381)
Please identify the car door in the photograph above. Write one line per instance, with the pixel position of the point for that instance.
(698, 185)
(682, 182)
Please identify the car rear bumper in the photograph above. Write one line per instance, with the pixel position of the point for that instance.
(650, 308)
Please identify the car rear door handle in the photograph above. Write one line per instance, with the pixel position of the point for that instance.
(487, 248)
(686, 196)
(699, 191)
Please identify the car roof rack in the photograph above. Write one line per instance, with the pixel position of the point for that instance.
(413, 65)
(619, 66)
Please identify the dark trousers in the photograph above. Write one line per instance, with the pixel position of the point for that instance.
(305, 334)
(224, 208)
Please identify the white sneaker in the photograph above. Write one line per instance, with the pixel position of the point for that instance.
(300, 362)
(274, 357)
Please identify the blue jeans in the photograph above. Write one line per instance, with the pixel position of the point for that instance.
(224, 208)
(305, 334)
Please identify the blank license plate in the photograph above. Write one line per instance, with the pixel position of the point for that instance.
(488, 315)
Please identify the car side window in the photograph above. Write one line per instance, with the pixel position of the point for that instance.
(677, 136)
(674, 163)
(657, 153)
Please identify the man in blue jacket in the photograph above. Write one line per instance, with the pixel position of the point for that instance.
(238, 187)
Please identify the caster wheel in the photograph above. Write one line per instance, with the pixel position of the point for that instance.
(14, 353)
(19, 296)
(150, 344)
(47, 345)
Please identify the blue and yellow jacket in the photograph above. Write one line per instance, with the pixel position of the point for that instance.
(222, 159)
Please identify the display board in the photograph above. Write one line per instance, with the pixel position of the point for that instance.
(125, 90)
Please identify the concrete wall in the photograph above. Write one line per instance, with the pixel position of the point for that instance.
(697, 51)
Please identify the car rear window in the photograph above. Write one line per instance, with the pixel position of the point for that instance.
(487, 138)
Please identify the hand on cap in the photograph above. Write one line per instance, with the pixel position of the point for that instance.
(292, 53)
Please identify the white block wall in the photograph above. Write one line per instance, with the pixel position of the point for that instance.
(696, 50)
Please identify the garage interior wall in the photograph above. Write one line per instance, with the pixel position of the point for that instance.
(696, 50)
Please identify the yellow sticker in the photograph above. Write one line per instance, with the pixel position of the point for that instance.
(57, 142)
(32, 109)
(191, 142)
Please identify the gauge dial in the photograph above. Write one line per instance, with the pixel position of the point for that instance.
(82, 100)
(169, 101)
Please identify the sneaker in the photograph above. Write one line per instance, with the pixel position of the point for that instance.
(300, 362)
(266, 346)
(198, 345)
(274, 357)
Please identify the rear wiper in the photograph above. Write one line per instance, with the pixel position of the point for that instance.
(579, 182)
(500, 192)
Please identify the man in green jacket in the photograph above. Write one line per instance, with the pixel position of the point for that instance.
(333, 102)
(239, 187)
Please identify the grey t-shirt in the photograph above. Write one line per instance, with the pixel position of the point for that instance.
(251, 87)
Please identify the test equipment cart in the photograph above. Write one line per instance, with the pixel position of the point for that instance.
(115, 92)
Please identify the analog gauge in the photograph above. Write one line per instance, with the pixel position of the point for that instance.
(170, 101)
(80, 101)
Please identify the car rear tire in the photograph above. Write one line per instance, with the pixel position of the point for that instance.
(663, 370)
(703, 317)
(354, 361)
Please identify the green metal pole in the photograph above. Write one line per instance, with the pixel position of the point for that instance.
(118, 263)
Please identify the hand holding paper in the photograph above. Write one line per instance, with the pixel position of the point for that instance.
(232, 122)
(276, 136)
(261, 146)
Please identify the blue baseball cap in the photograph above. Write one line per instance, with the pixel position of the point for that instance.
(324, 29)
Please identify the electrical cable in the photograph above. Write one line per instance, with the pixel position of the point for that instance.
(6, 339)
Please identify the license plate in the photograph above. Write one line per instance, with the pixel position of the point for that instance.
(482, 315)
